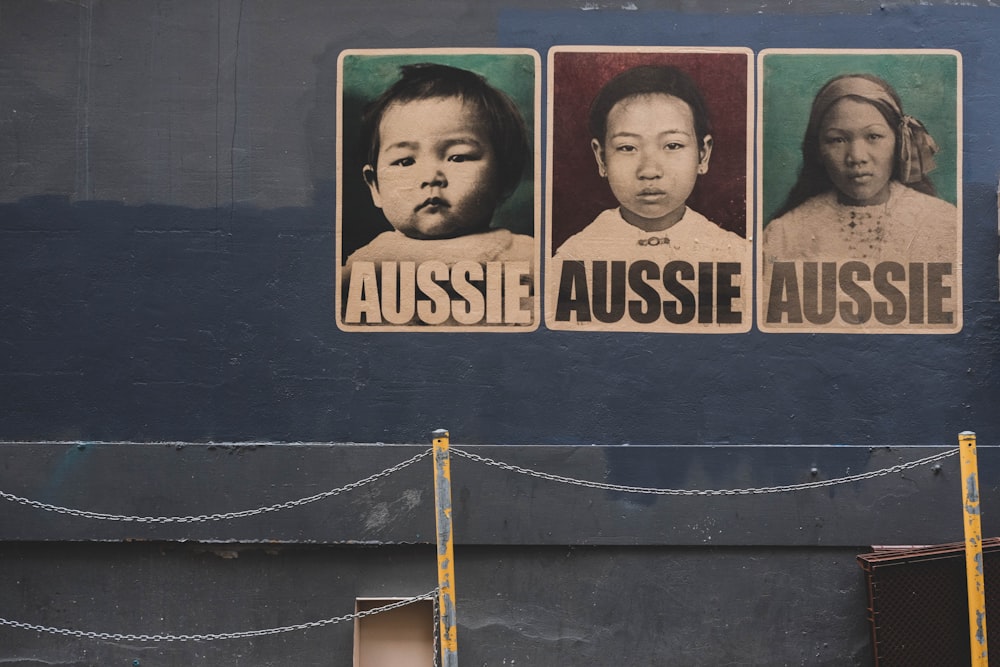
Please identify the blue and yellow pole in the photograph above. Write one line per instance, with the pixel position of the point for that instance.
(974, 575)
(445, 549)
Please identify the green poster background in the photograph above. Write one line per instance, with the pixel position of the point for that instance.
(365, 76)
(926, 83)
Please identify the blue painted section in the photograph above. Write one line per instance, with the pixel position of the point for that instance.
(126, 335)
(141, 321)
(73, 463)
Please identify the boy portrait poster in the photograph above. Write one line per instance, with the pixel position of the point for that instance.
(649, 189)
(859, 206)
(438, 172)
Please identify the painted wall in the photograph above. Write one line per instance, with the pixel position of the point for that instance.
(168, 250)
(167, 264)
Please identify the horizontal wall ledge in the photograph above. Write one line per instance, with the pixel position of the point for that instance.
(329, 493)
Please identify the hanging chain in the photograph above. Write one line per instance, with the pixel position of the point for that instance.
(703, 492)
(221, 516)
(117, 637)
(107, 636)
(437, 632)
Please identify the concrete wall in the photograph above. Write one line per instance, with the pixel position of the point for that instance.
(167, 262)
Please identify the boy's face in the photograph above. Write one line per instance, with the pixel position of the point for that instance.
(436, 175)
(651, 157)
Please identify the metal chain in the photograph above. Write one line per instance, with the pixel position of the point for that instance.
(703, 492)
(221, 516)
(117, 637)
(108, 636)
(437, 632)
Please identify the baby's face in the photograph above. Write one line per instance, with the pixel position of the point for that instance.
(651, 157)
(437, 173)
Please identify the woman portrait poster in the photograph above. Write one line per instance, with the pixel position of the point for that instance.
(859, 199)
(648, 206)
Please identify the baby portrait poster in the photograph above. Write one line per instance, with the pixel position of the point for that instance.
(438, 190)
(649, 193)
(860, 198)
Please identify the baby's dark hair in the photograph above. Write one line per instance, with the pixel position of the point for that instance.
(505, 126)
(649, 80)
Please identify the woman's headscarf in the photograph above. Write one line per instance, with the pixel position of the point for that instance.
(916, 146)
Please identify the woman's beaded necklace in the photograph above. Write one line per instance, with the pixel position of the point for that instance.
(862, 228)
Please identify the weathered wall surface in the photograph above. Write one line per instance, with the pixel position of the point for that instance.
(168, 249)
(546, 573)
(167, 267)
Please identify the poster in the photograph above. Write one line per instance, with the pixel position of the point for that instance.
(649, 178)
(859, 200)
(438, 190)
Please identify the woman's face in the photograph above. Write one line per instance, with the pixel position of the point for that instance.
(858, 150)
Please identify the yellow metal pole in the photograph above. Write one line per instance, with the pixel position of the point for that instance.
(445, 549)
(973, 549)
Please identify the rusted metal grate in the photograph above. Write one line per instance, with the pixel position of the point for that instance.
(918, 605)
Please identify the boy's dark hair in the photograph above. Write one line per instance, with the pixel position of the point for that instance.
(505, 126)
(649, 80)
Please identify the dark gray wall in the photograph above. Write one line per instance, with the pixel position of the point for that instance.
(637, 609)
(546, 573)
(640, 606)
(167, 262)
